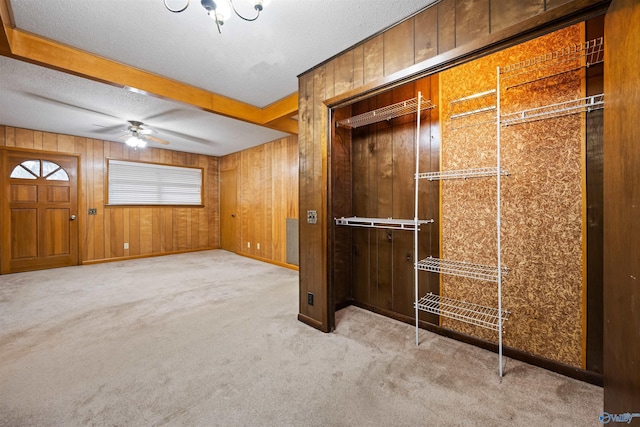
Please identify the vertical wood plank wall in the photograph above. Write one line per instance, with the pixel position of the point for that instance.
(372, 171)
(621, 209)
(148, 230)
(267, 194)
(435, 31)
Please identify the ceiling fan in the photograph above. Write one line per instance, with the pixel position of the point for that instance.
(137, 135)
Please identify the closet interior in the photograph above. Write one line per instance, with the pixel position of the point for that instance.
(469, 201)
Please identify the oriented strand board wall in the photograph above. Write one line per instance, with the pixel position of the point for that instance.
(148, 230)
(267, 186)
(541, 204)
(435, 31)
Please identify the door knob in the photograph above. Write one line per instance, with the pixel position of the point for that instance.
(72, 218)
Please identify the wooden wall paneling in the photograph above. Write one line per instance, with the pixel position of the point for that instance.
(49, 141)
(426, 34)
(126, 231)
(550, 4)
(10, 133)
(267, 239)
(24, 138)
(279, 202)
(66, 144)
(358, 66)
(343, 73)
(317, 199)
(157, 238)
(341, 205)
(245, 209)
(96, 169)
(37, 140)
(293, 162)
(167, 229)
(446, 25)
(403, 205)
(305, 140)
(213, 212)
(382, 268)
(505, 13)
(83, 196)
(472, 20)
(621, 195)
(399, 47)
(146, 231)
(361, 193)
(3, 135)
(429, 194)
(594, 220)
(115, 233)
(179, 227)
(373, 59)
(433, 189)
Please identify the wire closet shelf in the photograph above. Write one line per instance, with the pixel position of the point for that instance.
(488, 273)
(486, 317)
(554, 63)
(387, 223)
(473, 110)
(462, 174)
(389, 112)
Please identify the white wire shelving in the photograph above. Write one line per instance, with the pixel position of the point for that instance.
(473, 110)
(469, 270)
(570, 58)
(387, 223)
(560, 109)
(461, 174)
(410, 106)
(486, 317)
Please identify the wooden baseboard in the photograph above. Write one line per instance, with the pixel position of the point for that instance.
(270, 261)
(532, 359)
(311, 322)
(125, 258)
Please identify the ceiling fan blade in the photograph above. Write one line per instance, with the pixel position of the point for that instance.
(155, 139)
(108, 129)
(166, 113)
(185, 136)
(67, 105)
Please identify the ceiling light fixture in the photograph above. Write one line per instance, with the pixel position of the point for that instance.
(134, 141)
(220, 10)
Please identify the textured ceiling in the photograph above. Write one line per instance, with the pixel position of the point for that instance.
(254, 62)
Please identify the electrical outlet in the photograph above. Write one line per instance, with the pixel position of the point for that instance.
(312, 217)
(309, 298)
(258, 246)
(93, 211)
(249, 245)
(126, 246)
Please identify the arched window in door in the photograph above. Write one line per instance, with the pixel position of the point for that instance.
(34, 169)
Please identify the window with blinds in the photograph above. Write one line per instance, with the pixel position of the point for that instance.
(136, 183)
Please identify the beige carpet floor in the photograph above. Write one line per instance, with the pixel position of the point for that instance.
(211, 339)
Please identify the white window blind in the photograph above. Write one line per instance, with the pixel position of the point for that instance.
(135, 183)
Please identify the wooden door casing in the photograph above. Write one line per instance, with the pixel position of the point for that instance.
(40, 229)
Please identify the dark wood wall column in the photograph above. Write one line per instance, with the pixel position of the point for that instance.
(622, 209)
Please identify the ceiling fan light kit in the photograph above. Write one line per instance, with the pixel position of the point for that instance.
(220, 10)
(135, 142)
